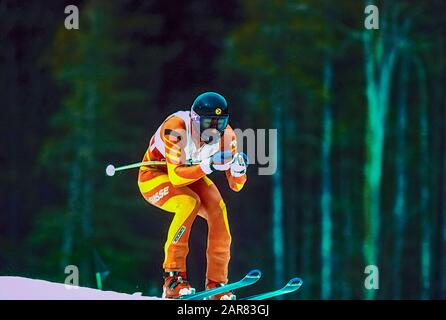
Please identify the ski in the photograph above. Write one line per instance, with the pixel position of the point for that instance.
(251, 277)
(292, 285)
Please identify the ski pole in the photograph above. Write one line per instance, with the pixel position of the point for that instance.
(111, 169)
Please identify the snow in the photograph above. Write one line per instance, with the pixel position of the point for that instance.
(18, 288)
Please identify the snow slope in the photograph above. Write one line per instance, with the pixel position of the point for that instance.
(18, 288)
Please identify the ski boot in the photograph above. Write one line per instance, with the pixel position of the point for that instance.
(221, 296)
(176, 285)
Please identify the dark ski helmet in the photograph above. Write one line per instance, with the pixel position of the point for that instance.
(210, 111)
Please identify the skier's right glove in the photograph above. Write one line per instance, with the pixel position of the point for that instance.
(221, 161)
(239, 165)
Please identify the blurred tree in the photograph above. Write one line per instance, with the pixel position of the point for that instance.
(381, 50)
(277, 101)
(400, 171)
(326, 223)
(424, 173)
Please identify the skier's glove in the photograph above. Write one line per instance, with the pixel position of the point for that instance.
(221, 161)
(239, 165)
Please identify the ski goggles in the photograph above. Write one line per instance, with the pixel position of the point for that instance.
(211, 122)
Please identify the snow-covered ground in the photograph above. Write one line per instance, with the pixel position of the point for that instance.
(18, 288)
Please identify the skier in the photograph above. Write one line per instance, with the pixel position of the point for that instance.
(200, 135)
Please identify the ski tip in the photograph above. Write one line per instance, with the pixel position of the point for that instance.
(256, 273)
(295, 282)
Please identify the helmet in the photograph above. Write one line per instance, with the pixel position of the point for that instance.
(210, 111)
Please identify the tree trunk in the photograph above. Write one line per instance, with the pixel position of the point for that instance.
(399, 209)
(347, 230)
(308, 246)
(88, 182)
(424, 175)
(277, 198)
(293, 225)
(379, 64)
(325, 201)
(441, 100)
(72, 212)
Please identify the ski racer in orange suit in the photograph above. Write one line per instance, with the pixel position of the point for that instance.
(194, 144)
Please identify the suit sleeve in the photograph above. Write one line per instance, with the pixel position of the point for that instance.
(229, 142)
(174, 137)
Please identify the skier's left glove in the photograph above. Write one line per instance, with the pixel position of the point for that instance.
(221, 161)
(239, 165)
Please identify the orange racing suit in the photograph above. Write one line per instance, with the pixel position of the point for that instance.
(186, 191)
